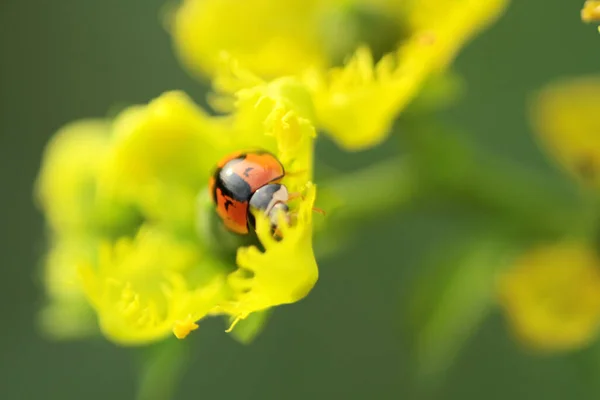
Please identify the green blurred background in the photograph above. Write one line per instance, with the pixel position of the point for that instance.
(67, 59)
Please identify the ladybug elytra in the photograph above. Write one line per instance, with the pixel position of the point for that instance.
(244, 181)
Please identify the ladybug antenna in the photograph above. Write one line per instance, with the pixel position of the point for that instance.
(319, 210)
(297, 195)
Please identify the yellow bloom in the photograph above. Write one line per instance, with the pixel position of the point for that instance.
(356, 103)
(552, 296)
(165, 272)
(272, 38)
(142, 287)
(591, 11)
(564, 116)
(161, 154)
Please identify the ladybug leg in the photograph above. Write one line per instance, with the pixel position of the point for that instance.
(277, 233)
(293, 196)
(319, 210)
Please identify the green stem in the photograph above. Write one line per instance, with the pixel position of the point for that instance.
(524, 199)
(530, 198)
(586, 362)
(162, 367)
(373, 191)
(443, 164)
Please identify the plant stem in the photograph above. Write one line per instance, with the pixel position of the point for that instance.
(527, 200)
(373, 191)
(162, 367)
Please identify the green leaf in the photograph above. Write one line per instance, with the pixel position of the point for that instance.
(523, 198)
(451, 300)
(371, 193)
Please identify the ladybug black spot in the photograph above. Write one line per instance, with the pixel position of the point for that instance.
(246, 172)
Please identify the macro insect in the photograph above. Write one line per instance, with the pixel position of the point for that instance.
(247, 181)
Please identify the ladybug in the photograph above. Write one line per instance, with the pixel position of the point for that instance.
(245, 181)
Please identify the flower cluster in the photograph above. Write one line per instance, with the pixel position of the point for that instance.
(357, 102)
(127, 208)
(552, 293)
(134, 241)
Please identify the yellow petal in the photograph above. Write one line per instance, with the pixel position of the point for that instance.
(552, 296)
(171, 138)
(182, 329)
(66, 183)
(143, 288)
(285, 272)
(564, 117)
(277, 116)
(282, 113)
(161, 155)
(272, 38)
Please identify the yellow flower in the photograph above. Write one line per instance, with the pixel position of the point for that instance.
(591, 11)
(166, 271)
(358, 103)
(272, 38)
(552, 296)
(564, 116)
(355, 103)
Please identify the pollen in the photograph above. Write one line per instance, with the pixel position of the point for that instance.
(183, 328)
(591, 11)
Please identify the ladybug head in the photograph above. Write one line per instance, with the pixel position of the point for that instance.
(272, 200)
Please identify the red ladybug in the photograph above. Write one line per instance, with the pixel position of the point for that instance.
(245, 181)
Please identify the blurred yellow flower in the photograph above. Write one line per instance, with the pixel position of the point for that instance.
(564, 117)
(160, 273)
(551, 296)
(272, 38)
(356, 103)
(590, 11)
